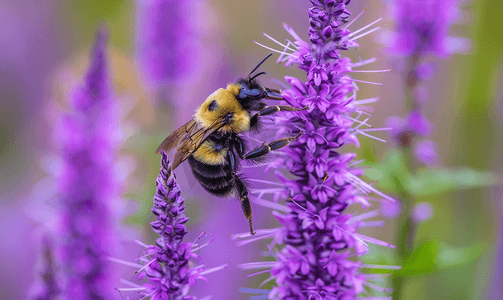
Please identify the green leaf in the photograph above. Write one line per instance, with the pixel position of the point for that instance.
(390, 172)
(393, 176)
(437, 256)
(429, 182)
(422, 260)
(450, 256)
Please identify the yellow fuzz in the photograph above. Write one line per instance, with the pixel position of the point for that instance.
(233, 88)
(209, 155)
(226, 103)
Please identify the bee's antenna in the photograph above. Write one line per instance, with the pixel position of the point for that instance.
(256, 75)
(261, 62)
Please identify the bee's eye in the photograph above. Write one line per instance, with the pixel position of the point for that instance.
(213, 105)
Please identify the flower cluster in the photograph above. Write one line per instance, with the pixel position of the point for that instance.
(422, 27)
(170, 264)
(87, 186)
(405, 132)
(160, 49)
(317, 234)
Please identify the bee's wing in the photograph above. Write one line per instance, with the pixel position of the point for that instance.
(193, 142)
(173, 139)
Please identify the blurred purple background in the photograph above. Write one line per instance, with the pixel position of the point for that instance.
(44, 53)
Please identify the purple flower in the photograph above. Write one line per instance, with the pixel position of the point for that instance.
(405, 131)
(425, 151)
(422, 27)
(170, 262)
(87, 186)
(325, 19)
(317, 234)
(418, 124)
(316, 99)
(422, 212)
(313, 137)
(164, 36)
(391, 210)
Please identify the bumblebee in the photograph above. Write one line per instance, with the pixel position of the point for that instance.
(211, 141)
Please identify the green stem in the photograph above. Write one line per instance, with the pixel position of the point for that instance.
(405, 241)
(407, 228)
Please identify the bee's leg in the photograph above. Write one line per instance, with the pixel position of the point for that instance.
(271, 110)
(241, 189)
(239, 145)
(273, 94)
(264, 149)
(275, 108)
(245, 201)
(232, 161)
(275, 91)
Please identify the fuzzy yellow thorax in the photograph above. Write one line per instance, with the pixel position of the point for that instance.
(226, 103)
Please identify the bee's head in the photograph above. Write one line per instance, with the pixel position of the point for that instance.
(250, 86)
(231, 106)
(251, 90)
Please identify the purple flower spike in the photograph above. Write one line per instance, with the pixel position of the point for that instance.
(325, 17)
(170, 263)
(422, 27)
(86, 184)
(318, 235)
(164, 36)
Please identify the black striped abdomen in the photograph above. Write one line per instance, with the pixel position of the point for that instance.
(216, 179)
